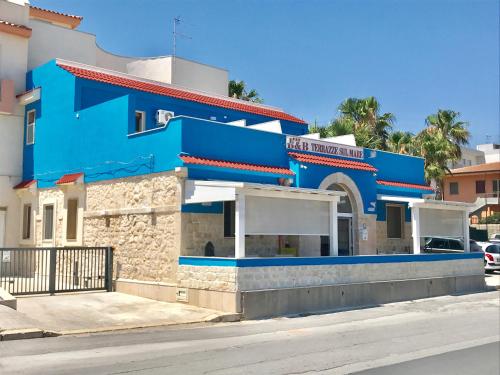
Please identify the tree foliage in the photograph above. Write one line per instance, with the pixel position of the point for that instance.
(237, 89)
(439, 142)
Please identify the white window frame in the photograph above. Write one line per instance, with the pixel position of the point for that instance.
(403, 214)
(27, 197)
(143, 121)
(70, 193)
(49, 202)
(29, 226)
(32, 126)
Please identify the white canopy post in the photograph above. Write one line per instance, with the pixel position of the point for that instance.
(239, 227)
(466, 232)
(415, 229)
(334, 243)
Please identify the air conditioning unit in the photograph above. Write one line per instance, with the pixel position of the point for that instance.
(162, 116)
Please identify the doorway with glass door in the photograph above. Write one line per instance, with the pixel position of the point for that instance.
(344, 233)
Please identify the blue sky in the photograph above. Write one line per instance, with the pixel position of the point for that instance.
(306, 56)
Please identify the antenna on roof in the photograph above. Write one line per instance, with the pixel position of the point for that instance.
(177, 21)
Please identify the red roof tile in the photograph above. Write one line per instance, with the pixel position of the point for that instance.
(235, 165)
(69, 178)
(15, 29)
(404, 185)
(136, 84)
(480, 168)
(24, 184)
(332, 162)
(54, 12)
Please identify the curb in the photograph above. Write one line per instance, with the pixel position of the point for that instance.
(20, 334)
(225, 318)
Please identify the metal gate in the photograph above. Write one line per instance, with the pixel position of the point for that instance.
(53, 270)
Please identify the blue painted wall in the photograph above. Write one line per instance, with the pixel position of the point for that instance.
(87, 126)
(397, 167)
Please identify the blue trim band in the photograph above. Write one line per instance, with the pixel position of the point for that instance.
(319, 261)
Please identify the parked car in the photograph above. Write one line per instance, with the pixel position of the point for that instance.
(492, 257)
(495, 237)
(475, 246)
(443, 245)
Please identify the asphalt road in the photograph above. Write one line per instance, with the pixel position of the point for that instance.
(453, 334)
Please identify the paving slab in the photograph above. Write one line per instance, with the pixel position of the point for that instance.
(493, 280)
(102, 311)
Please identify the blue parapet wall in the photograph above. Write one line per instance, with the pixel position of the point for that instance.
(318, 261)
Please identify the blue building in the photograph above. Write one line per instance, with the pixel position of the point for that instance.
(160, 172)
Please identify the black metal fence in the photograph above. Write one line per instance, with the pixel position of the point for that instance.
(52, 270)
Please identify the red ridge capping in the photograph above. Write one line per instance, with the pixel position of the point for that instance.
(178, 93)
(332, 162)
(24, 184)
(235, 165)
(15, 29)
(69, 178)
(404, 185)
(55, 12)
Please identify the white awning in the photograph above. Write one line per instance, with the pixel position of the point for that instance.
(199, 191)
(427, 203)
(434, 218)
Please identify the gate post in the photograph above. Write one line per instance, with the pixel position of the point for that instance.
(52, 271)
(109, 269)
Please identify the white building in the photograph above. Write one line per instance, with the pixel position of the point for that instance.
(31, 36)
(469, 157)
(491, 152)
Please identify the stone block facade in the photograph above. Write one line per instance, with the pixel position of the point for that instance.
(221, 279)
(393, 245)
(239, 279)
(140, 217)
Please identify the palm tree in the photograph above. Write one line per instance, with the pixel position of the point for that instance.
(366, 116)
(455, 132)
(400, 142)
(439, 143)
(237, 89)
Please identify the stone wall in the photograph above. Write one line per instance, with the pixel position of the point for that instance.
(279, 277)
(389, 246)
(198, 229)
(140, 218)
(207, 278)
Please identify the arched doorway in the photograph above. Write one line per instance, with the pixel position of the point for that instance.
(349, 210)
(345, 225)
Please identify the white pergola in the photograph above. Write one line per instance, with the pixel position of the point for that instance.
(262, 209)
(435, 218)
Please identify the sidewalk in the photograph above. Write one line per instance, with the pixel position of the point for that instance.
(15, 325)
(99, 312)
(67, 314)
(493, 280)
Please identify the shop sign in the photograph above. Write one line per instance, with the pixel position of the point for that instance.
(6, 256)
(323, 147)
